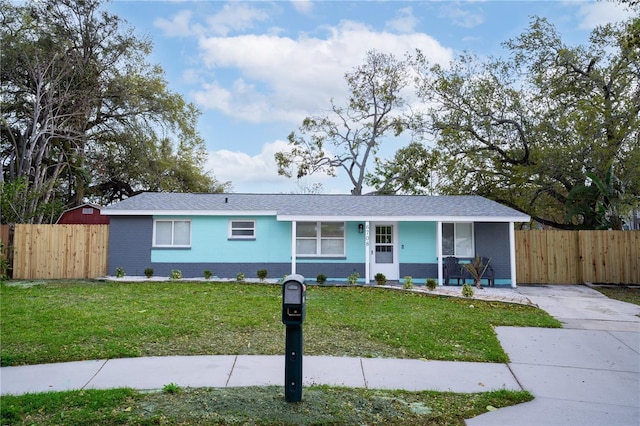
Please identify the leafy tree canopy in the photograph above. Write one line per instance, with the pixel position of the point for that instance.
(538, 128)
(348, 136)
(84, 116)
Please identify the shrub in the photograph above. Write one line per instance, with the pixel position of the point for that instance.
(353, 278)
(467, 290)
(119, 272)
(380, 278)
(172, 388)
(207, 274)
(407, 282)
(262, 274)
(431, 284)
(148, 272)
(240, 276)
(176, 274)
(321, 279)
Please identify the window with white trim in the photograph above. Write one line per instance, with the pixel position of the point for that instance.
(320, 239)
(242, 229)
(171, 233)
(457, 239)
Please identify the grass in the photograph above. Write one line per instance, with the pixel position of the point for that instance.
(624, 294)
(257, 405)
(69, 321)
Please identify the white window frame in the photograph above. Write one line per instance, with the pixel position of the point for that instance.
(242, 237)
(455, 246)
(173, 225)
(319, 238)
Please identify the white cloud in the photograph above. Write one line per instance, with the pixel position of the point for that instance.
(178, 26)
(404, 22)
(282, 78)
(597, 13)
(257, 173)
(462, 17)
(240, 167)
(235, 16)
(302, 6)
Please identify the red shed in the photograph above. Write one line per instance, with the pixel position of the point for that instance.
(86, 214)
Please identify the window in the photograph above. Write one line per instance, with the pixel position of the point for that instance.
(320, 238)
(242, 229)
(87, 210)
(172, 233)
(457, 239)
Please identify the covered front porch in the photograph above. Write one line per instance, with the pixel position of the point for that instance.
(410, 247)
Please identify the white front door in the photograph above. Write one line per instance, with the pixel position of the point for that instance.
(384, 253)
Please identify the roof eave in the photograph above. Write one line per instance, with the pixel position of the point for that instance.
(116, 212)
(365, 218)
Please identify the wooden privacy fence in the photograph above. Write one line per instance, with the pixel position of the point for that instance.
(575, 257)
(542, 257)
(60, 251)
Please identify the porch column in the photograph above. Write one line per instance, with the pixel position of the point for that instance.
(512, 253)
(439, 250)
(367, 256)
(293, 247)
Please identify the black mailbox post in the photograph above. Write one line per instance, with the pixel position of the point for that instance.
(293, 312)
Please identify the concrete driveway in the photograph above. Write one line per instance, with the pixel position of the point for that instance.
(587, 373)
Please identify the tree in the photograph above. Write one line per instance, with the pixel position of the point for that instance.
(525, 131)
(79, 104)
(348, 136)
(408, 172)
(599, 202)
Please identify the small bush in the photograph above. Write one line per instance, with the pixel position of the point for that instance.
(148, 272)
(172, 388)
(207, 274)
(119, 272)
(353, 278)
(240, 276)
(321, 279)
(467, 290)
(407, 282)
(262, 274)
(380, 278)
(431, 284)
(176, 274)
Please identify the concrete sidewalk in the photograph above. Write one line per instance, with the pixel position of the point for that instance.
(587, 373)
(256, 370)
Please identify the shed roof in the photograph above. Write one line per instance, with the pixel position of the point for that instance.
(318, 207)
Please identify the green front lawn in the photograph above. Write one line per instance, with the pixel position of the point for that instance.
(629, 294)
(68, 321)
(320, 405)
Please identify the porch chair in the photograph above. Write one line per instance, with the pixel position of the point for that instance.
(453, 269)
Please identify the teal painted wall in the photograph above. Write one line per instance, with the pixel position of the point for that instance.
(419, 241)
(210, 243)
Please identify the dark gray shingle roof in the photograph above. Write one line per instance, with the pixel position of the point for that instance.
(298, 205)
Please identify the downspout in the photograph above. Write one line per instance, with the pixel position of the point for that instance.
(293, 247)
(512, 253)
(439, 250)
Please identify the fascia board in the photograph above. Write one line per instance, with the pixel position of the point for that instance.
(231, 213)
(319, 218)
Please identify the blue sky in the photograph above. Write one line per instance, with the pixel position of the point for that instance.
(256, 69)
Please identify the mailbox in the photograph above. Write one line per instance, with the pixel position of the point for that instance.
(293, 300)
(293, 309)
